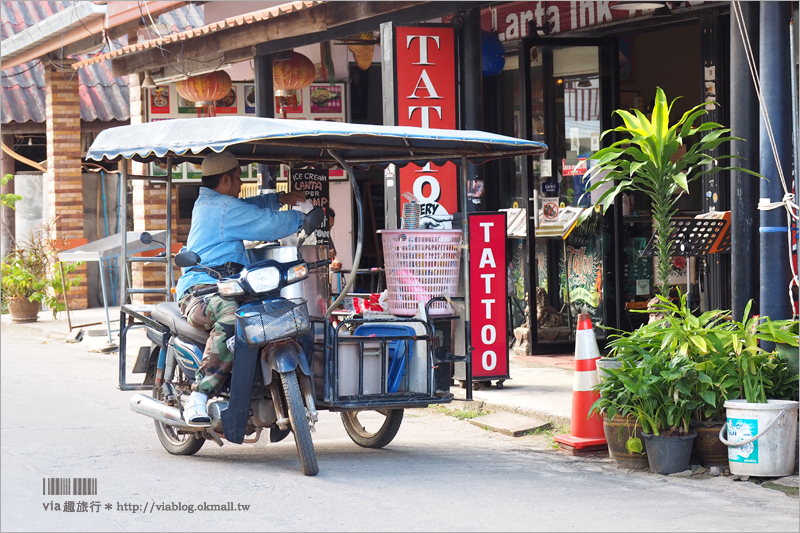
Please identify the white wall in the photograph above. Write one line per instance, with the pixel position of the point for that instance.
(342, 202)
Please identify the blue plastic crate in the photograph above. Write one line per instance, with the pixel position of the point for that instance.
(397, 349)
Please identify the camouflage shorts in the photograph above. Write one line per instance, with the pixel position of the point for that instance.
(217, 315)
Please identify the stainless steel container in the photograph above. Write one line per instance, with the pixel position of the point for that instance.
(316, 289)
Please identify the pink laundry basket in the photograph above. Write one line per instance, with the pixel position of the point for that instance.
(421, 264)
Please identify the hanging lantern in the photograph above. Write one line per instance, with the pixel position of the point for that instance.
(493, 54)
(362, 53)
(205, 90)
(289, 76)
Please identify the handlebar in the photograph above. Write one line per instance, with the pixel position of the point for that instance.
(318, 264)
(207, 290)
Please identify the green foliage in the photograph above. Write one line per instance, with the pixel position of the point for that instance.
(684, 367)
(8, 200)
(31, 271)
(642, 161)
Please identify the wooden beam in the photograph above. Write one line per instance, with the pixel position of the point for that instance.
(307, 26)
(25, 128)
(345, 28)
(80, 47)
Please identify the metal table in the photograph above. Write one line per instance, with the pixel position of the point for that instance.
(106, 249)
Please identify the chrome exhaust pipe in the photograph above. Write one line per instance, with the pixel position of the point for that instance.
(165, 414)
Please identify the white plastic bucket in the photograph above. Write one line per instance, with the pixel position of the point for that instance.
(761, 437)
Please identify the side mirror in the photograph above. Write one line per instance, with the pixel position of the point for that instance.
(146, 238)
(313, 220)
(186, 259)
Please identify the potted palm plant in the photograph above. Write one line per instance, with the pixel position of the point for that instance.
(643, 161)
(30, 277)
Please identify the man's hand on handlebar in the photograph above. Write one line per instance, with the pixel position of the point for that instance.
(318, 264)
(292, 198)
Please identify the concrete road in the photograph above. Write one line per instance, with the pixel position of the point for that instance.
(62, 417)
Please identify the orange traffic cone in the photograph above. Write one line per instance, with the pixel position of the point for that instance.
(586, 434)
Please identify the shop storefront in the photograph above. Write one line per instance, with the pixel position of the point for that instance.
(569, 65)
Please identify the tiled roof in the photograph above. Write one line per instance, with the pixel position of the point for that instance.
(102, 96)
(232, 22)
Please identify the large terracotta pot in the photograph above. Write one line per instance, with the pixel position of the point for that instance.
(617, 432)
(708, 449)
(23, 310)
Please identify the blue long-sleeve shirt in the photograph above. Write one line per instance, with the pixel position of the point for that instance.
(220, 223)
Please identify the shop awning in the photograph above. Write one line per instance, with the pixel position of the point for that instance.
(275, 141)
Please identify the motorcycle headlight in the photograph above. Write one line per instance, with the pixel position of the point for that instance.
(230, 288)
(296, 272)
(264, 279)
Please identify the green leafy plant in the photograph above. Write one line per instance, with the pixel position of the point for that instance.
(31, 271)
(763, 375)
(643, 162)
(8, 199)
(683, 367)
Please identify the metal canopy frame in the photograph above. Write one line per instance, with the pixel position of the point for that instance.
(132, 316)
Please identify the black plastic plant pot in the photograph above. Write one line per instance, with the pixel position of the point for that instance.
(668, 455)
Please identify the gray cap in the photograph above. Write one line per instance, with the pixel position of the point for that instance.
(220, 163)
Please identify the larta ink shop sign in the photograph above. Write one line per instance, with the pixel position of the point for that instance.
(425, 96)
(488, 286)
(315, 184)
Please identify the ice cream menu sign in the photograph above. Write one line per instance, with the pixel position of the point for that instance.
(315, 184)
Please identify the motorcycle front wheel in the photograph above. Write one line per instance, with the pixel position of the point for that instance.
(173, 442)
(372, 429)
(300, 423)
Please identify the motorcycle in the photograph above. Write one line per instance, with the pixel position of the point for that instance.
(368, 369)
(270, 386)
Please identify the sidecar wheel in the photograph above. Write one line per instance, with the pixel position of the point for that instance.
(361, 430)
(173, 442)
(300, 424)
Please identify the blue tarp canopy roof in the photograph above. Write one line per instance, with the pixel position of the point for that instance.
(274, 141)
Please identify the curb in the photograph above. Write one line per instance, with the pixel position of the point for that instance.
(480, 405)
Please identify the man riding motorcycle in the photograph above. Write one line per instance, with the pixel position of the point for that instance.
(221, 221)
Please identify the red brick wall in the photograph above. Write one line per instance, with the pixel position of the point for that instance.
(64, 182)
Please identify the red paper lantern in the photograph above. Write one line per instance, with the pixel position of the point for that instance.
(292, 74)
(289, 76)
(206, 89)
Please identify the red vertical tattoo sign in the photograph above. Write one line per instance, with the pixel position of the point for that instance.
(487, 285)
(426, 97)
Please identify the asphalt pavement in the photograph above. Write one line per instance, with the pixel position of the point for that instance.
(64, 420)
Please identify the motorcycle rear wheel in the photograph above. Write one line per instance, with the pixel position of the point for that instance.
(171, 440)
(360, 430)
(299, 421)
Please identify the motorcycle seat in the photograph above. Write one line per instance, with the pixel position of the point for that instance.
(169, 314)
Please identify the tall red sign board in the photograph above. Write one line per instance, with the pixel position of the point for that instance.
(487, 285)
(425, 64)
